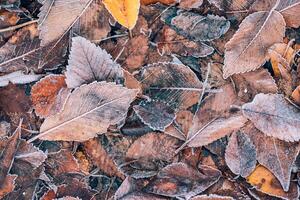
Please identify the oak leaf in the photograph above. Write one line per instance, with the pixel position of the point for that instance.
(98, 106)
(274, 116)
(247, 49)
(88, 63)
(124, 11)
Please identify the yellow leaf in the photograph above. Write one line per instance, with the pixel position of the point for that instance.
(124, 11)
(266, 182)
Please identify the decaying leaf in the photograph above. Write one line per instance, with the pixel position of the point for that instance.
(146, 155)
(265, 181)
(57, 17)
(142, 196)
(276, 155)
(124, 11)
(240, 154)
(247, 49)
(233, 5)
(99, 105)
(18, 77)
(189, 4)
(168, 85)
(274, 116)
(100, 158)
(88, 63)
(211, 197)
(196, 27)
(290, 11)
(181, 180)
(44, 94)
(296, 95)
(171, 42)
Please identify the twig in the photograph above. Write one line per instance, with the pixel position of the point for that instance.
(12, 28)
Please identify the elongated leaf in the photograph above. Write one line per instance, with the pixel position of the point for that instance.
(18, 77)
(247, 49)
(274, 116)
(88, 63)
(89, 110)
(276, 155)
(240, 154)
(58, 16)
(124, 11)
(171, 87)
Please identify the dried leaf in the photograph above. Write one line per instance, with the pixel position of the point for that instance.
(247, 49)
(142, 196)
(168, 85)
(190, 4)
(124, 11)
(211, 197)
(196, 27)
(8, 185)
(88, 63)
(277, 155)
(296, 95)
(290, 11)
(100, 105)
(265, 181)
(57, 17)
(274, 116)
(44, 94)
(172, 43)
(100, 158)
(181, 180)
(147, 2)
(240, 154)
(234, 5)
(18, 77)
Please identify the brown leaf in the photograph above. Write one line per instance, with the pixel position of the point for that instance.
(296, 95)
(211, 197)
(277, 155)
(247, 49)
(99, 105)
(147, 2)
(168, 85)
(95, 16)
(57, 17)
(172, 43)
(263, 180)
(146, 155)
(290, 11)
(44, 94)
(88, 63)
(128, 186)
(100, 158)
(8, 185)
(181, 180)
(142, 196)
(250, 84)
(274, 116)
(190, 4)
(234, 5)
(240, 154)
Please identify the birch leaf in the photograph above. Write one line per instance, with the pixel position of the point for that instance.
(274, 116)
(88, 63)
(124, 11)
(89, 111)
(247, 49)
(57, 17)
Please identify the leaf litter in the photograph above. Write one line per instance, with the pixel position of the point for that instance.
(149, 99)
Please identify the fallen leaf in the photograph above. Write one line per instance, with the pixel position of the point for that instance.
(290, 12)
(95, 16)
(18, 77)
(88, 63)
(190, 4)
(296, 95)
(100, 157)
(124, 11)
(195, 26)
(281, 56)
(8, 185)
(247, 49)
(181, 180)
(234, 5)
(211, 197)
(265, 181)
(276, 155)
(274, 116)
(101, 104)
(240, 155)
(57, 17)
(4, 128)
(147, 2)
(142, 196)
(172, 43)
(44, 94)
(168, 85)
